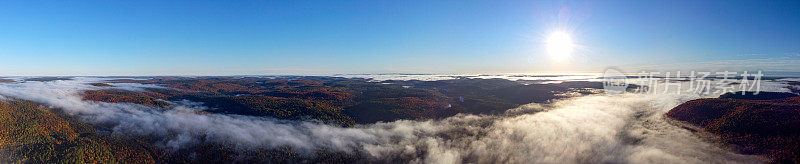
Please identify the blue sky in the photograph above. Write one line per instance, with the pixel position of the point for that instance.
(327, 37)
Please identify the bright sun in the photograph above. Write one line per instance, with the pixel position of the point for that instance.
(559, 45)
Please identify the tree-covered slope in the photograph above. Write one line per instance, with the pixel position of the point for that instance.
(32, 133)
(766, 124)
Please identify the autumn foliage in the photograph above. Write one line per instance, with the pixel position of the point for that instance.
(2, 80)
(339, 100)
(31, 133)
(101, 85)
(117, 96)
(769, 127)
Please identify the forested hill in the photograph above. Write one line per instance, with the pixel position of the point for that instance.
(341, 100)
(34, 133)
(765, 124)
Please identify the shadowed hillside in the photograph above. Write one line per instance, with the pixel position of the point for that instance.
(766, 124)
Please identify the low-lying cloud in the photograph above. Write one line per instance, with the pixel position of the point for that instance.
(627, 128)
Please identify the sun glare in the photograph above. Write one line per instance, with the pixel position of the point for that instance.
(559, 45)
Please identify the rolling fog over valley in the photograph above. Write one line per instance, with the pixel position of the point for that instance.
(411, 81)
(437, 121)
